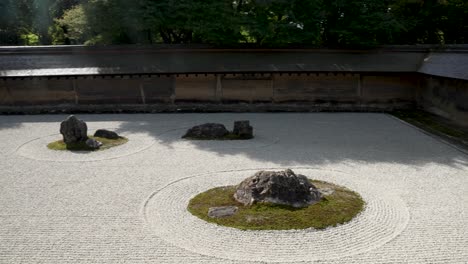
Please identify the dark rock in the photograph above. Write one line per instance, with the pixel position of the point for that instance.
(222, 211)
(103, 133)
(207, 131)
(73, 130)
(243, 129)
(282, 187)
(93, 144)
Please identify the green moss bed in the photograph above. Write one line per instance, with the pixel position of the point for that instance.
(432, 123)
(337, 208)
(106, 144)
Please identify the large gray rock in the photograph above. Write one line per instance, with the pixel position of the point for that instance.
(103, 133)
(73, 130)
(278, 187)
(243, 129)
(207, 131)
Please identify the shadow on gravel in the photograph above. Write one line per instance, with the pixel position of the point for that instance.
(304, 138)
(311, 138)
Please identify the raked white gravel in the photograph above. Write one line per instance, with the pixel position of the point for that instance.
(127, 204)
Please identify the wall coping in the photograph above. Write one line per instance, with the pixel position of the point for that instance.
(450, 61)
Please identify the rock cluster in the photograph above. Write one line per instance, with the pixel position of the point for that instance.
(207, 131)
(242, 130)
(75, 131)
(277, 187)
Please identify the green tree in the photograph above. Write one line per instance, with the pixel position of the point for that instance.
(421, 20)
(188, 21)
(278, 22)
(72, 27)
(333, 23)
(16, 21)
(8, 29)
(454, 22)
(360, 23)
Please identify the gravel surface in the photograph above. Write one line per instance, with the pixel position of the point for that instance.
(127, 204)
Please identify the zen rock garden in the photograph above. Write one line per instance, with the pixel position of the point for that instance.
(75, 137)
(213, 131)
(277, 200)
(326, 197)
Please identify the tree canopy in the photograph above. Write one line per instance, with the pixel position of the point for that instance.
(329, 23)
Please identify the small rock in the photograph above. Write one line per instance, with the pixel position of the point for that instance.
(278, 187)
(207, 131)
(93, 144)
(73, 130)
(222, 211)
(103, 133)
(243, 129)
(326, 191)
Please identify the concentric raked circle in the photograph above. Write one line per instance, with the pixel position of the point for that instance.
(384, 217)
(174, 140)
(36, 149)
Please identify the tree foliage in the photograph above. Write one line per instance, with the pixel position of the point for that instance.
(331, 23)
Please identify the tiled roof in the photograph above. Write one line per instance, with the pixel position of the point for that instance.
(451, 65)
(78, 60)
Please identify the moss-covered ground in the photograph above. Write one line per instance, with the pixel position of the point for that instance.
(106, 144)
(434, 125)
(337, 208)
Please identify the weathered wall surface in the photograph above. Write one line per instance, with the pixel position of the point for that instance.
(398, 88)
(324, 91)
(193, 88)
(252, 88)
(445, 97)
(239, 92)
(203, 78)
(19, 92)
(317, 88)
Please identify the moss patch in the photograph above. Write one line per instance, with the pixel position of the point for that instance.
(106, 143)
(337, 208)
(434, 124)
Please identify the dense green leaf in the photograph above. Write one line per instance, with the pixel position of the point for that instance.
(333, 23)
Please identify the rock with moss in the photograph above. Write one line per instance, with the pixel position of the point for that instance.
(277, 187)
(104, 133)
(243, 129)
(73, 130)
(207, 131)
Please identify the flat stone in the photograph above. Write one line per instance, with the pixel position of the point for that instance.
(207, 131)
(103, 133)
(277, 187)
(73, 130)
(222, 211)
